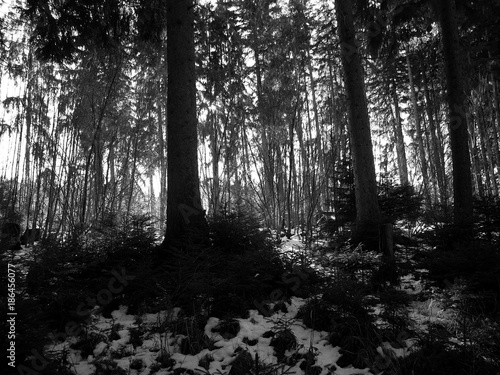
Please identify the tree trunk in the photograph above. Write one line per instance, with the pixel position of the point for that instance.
(462, 181)
(185, 215)
(367, 208)
(268, 198)
(489, 170)
(214, 204)
(438, 154)
(490, 144)
(163, 167)
(496, 129)
(476, 164)
(319, 148)
(399, 138)
(418, 128)
(134, 168)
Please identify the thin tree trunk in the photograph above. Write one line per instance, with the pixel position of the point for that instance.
(485, 141)
(399, 138)
(432, 165)
(496, 129)
(163, 167)
(215, 151)
(476, 162)
(319, 150)
(134, 169)
(53, 190)
(291, 163)
(306, 178)
(437, 149)
(268, 193)
(420, 139)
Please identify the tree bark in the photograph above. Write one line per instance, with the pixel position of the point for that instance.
(367, 208)
(418, 128)
(185, 215)
(496, 129)
(163, 167)
(438, 154)
(462, 179)
(399, 138)
(495, 126)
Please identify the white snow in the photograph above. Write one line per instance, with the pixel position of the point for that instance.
(224, 351)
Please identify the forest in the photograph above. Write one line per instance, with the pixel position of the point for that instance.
(262, 187)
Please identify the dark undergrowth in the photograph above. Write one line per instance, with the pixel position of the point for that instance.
(449, 324)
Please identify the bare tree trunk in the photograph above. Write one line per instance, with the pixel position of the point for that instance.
(462, 181)
(53, 190)
(268, 178)
(306, 180)
(367, 208)
(134, 169)
(434, 194)
(215, 151)
(112, 185)
(496, 129)
(152, 198)
(486, 151)
(476, 163)
(27, 158)
(185, 214)
(83, 209)
(420, 139)
(437, 149)
(319, 148)
(163, 167)
(399, 138)
(291, 163)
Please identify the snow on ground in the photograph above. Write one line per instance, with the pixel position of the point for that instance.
(252, 329)
(251, 336)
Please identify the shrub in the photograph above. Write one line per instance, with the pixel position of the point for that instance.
(399, 202)
(477, 262)
(239, 232)
(241, 266)
(487, 218)
(66, 273)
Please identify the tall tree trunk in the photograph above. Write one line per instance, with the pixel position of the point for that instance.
(215, 151)
(486, 122)
(399, 137)
(27, 153)
(437, 149)
(367, 208)
(319, 148)
(53, 190)
(306, 180)
(163, 166)
(152, 198)
(476, 163)
(486, 151)
(268, 178)
(496, 128)
(434, 194)
(291, 164)
(418, 128)
(185, 215)
(135, 151)
(462, 180)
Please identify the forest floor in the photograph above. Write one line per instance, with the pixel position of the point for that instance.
(275, 343)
